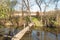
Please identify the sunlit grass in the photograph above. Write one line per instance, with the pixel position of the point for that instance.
(37, 22)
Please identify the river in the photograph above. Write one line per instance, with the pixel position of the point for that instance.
(43, 35)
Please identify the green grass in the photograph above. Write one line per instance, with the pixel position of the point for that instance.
(37, 22)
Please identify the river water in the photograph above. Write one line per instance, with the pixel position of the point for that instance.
(43, 35)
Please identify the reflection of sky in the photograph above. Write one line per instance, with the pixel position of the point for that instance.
(49, 36)
(34, 6)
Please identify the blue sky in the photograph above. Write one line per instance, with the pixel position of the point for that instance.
(34, 7)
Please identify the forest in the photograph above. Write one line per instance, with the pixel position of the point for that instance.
(12, 19)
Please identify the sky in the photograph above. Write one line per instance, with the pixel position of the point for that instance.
(34, 7)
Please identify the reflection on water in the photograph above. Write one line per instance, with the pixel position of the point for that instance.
(42, 35)
(34, 35)
(48, 35)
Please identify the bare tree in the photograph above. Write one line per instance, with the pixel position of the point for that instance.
(57, 14)
(39, 3)
(26, 2)
(56, 8)
(45, 8)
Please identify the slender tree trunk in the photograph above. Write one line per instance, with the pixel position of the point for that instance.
(22, 10)
(56, 5)
(28, 8)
